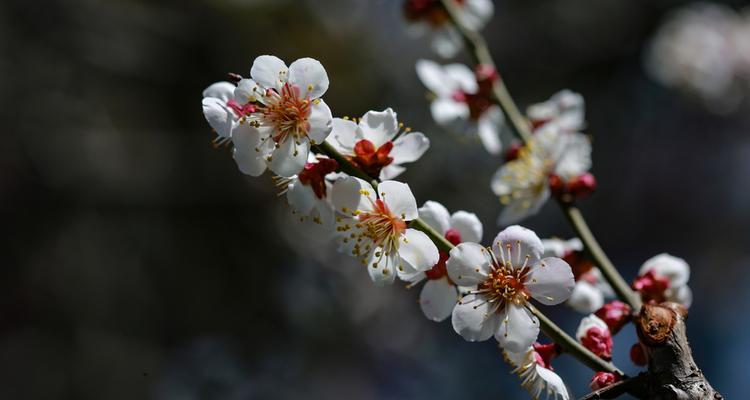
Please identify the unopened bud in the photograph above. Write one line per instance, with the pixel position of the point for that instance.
(486, 72)
(615, 314)
(513, 151)
(602, 380)
(557, 185)
(544, 353)
(638, 355)
(582, 185)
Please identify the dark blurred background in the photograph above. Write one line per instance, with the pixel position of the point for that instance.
(137, 262)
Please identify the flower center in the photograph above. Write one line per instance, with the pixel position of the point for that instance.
(527, 175)
(504, 285)
(440, 270)
(381, 227)
(369, 159)
(287, 111)
(314, 174)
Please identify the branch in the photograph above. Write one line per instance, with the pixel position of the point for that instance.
(520, 126)
(635, 385)
(554, 332)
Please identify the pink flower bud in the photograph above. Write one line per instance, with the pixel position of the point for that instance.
(544, 353)
(602, 380)
(652, 287)
(582, 185)
(599, 341)
(615, 314)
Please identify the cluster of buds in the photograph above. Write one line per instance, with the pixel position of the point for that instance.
(577, 187)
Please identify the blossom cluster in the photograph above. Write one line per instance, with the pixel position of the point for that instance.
(704, 49)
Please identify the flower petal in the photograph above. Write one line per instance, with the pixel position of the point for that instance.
(468, 225)
(489, 130)
(575, 156)
(418, 251)
(438, 298)
(220, 90)
(320, 120)
(446, 42)
(673, 268)
(391, 171)
(409, 147)
(309, 75)
(247, 91)
(218, 116)
(550, 281)
(343, 136)
(379, 126)
(586, 298)
(524, 206)
(289, 158)
(446, 111)
(514, 243)
(681, 294)
(399, 199)
(434, 78)
(591, 321)
(300, 197)
(468, 264)
(350, 194)
(471, 319)
(437, 217)
(246, 139)
(518, 329)
(463, 77)
(382, 269)
(269, 71)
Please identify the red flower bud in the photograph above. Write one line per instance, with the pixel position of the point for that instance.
(599, 341)
(582, 185)
(638, 355)
(513, 151)
(557, 185)
(615, 314)
(544, 353)
(652, 287)
(602, 380)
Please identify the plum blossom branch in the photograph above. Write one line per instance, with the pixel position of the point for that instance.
(554, 332)
(520, 126)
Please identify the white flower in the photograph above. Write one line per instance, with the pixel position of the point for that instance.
(535, 378)
(461, 103)
(523, 183)
(566, 108)
(430, 15)
(502, 279)
(222, 111)
(591, 289)
(374, 229)
(377, 144)
(439, 294)
(676, 272)
(307, 192)
(289, 115)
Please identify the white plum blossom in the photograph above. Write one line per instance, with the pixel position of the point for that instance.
(222, 111)
(378, 145)
(373, 227)
(439, 294)
(664, 278)
(591, 289)
(308, 192)
(552, 155)
(535, 377)
(501, 280)
(566, 108)
(463, 100)
(703, 49)
(429, 16)
(288, 117)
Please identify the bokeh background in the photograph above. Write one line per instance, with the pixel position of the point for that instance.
(137, 262)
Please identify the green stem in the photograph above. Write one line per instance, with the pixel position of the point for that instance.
(520, 126)
(554, 332)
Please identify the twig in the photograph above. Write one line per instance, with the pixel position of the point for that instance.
(634, 385)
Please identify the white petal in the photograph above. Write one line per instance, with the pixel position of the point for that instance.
(436, 216)
(435, 79)
(447, 42)
(520, 208)
(409, 147)
(320, 120)
(476, 13)
(446, 111)
(514, 243)
(554, 384)
(247, 91)
(309, 75)
(518, 328)
(673, 268)
(379, 126)
(463, 76)
(468, 264)
(417, 250)
(269, 71)
(681, 294)
(586, 298)
(468, 225)
(289, 158)
(245, 140)
(489, 130)
(343, 136)
(399, 199)
(550, 281)
(576, 155)
(471, 319)
(382, 269)
(300, 197)
(591, 321)
(391, 171)
(350, 194)
(437, 299)
(218, 116)
(220, 90)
